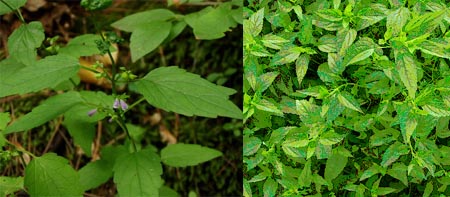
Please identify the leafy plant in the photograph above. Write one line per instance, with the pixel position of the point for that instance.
(346, 98)
(136, 168)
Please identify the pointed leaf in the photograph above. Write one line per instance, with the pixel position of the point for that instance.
(265, 80)
(51, 175)
(349, 101)
(360, 50)
(22, 43)
(205, 22)
(95, 174)
(9, 185)
(174, 89)
(393, 153)
(372, 170)
(395, 22)
(83, 45)
(148, 37)
(138, 174)
(46, 73)
(270, 188)
(399, 171)
(301, 66)
(134, 21)
(48, 110)
(182, 155)
(251, 145)
(334, 166)
(350, 37)
(406, 67)
(306, 176)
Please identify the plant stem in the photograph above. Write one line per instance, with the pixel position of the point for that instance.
(124, 127)
(20, 149)
(135, 103)
(18, 13)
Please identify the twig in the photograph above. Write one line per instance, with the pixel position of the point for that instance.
(53, 135)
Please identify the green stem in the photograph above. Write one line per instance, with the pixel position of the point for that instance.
(18, 13)
(20, 149)
(124, 127)
(135, 103)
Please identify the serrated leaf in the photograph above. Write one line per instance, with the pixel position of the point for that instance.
(420, 23)
(327, 44)
(305, 178)
(334, 166)
(16, 4)
(48, 110)
(134, 21)
(393, 152)
(138, 174)
(395, 22)
(360, 50)
(9, 185)
(165, 191)
(349, 101)
(270, 188)
(22, 43)
(265, 80)
(436, 112)
(251, 145)
(51, 175)
(350, 37)
(436, 47)
(285, 55)
(46, 73)
(330, 138)
(268, 106)
(406, 67)
(182, 155)
(410, 127)
(330, 14)
(368, 16)
(399, 171)
(148, 37)
(83, 45)
(205, 25)
(273, 41)
(254, 24)
(301, 66)
(95, 174)
(174, 89)
(247, 189)
(372, 170)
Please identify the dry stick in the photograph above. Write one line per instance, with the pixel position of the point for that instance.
(176, 126)
(53, 135)
(121, 136)
(97, 142)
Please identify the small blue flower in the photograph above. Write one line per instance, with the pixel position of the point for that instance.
(121, 103)
(92, 112)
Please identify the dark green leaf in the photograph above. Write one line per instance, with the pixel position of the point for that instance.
(148, 37)
(270, 188)
(182, 155)
(334, 166)
(134, 21)
(22, 43)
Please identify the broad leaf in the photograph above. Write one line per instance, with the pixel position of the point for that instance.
(148, 37)
(393, 153)
(254, 24)
(22, 43)
(16, 4)
(51, 175)
(9, 185)
(349, 101)
(306, 176)
(399, 171)
(436, 47)
(301, 66)
(138, 174)
(205, 23)
(134, 21)
(83, 45)
(359, 51)
(251, 145)
(406, 67)
(174, 89)
(270, 188)
(165, 191)
(46, 73)
(182, 155)
(48, 110)
(265, 80)
(395, 22)
(334, 166)
(95, 174)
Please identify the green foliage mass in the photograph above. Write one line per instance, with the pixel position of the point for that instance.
(346, 98)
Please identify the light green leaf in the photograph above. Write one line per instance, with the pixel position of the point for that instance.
(46, 73)
(22, 43)
(148, 37)
(350, 37)
(254, 24)
(134, 21)
(95, 174)
(285, 55)
(268, 106)
(410, 127)
(9, 185)
(385, 190)
(4, 120)
(265, 80)
(251, 145)
(138, 174)
(399, 171)
(48, 110)
(424, 23)
(16, 4)
(273, 41)
(174, 89)
(334, 166)
(305, 178)
(349, 101)
(369, 16)
(205, 23)
(301, 66)
(330, 138)
(83, 45)
(393, 153)
(334, 15)
(406, 67)
(428, 189)
(436, 47)
(51, 175)
(372, 170)
(182, 155)
(436, 112)
(395, 22)
(247, 189)
(270, 188)
(360, 50)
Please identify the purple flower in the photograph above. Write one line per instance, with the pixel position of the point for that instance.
(121, 103)
(92, 112)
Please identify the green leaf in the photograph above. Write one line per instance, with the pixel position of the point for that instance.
(270, 188)
(360, 50)
(372, 170)
(369, 16)
(148, 37)
(399, 171)
(138, 174)
(51, 175)
(48, 110)
(385, 190)
(174, 89)
(182, 155)
(330, 138)
(46, 73)
(247, 189)
(16, 4)
(334, 15)
(22, 43)
(134, 21)
(436, 47)
(9, 185)
(334, 166)
(265, 80)
(395, 22)
(410, 127)
(350, 37)
(83, 45)
(406, 67)
(251, 145)
(393, 153)
(301, 66)
(436, 112)
(420, 23)
(205, 22)
(306, 176)
(95, 174)
(428, 189)
(349, 101)
(4, 120)
(273, 41)
(254, 24)
(165, 191)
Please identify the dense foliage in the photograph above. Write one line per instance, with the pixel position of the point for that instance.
(134, 165)
(346, 98)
